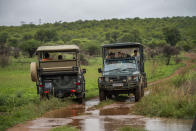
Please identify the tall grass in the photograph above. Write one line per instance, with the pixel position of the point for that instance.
(29, 111)
(167, 100)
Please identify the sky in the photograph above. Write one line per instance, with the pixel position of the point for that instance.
(12, 12)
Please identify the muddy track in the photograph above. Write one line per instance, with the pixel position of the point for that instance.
(108, 118)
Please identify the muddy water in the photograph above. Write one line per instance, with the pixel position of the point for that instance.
(117, 115)
(114, 116)
(109, 118)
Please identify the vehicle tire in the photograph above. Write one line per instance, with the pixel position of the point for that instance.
(81, 100)
(142, 91)
(102, 95)
(109, 96)
(138, 93)
(33, 70)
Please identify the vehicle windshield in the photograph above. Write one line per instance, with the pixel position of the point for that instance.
(120, 67)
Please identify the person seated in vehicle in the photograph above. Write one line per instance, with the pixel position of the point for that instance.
(137, 58)
(46, 57)
(119, 55)
(110, 56)
(60, 57)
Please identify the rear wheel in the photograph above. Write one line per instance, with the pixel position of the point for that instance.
(81, 99)
(102, 95)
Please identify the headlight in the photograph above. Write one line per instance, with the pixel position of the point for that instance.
(101, 79)
(106, 79)
(129, 78)
(134, 77)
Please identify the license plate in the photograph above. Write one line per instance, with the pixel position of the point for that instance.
(118, 84)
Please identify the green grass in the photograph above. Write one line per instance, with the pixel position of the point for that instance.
(91, 77)
(65, 128)
(127, 128)
(157, 69)
(176, 98)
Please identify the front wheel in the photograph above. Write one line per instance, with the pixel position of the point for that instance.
(102, 95)
(138, 93)
(142, 91)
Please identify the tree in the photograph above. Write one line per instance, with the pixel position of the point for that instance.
(172, 35)
(30, 46)
(46, 35)
(169, 51)
(132, 36)
(92, 49)
(3, 37)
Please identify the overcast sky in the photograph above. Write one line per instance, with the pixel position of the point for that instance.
(12, 12)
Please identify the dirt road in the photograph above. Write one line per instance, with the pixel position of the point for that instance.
(111, 117)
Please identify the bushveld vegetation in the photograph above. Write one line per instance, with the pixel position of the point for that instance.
(89, 35)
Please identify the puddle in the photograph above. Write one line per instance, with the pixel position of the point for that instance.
(74, 110)
(114, 116)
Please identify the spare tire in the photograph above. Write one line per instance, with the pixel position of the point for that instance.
(33, 69)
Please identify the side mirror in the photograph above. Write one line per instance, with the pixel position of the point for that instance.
(83, 70)
(99, 70)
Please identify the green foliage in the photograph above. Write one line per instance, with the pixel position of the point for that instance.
(146, 31)
(30, 46)
(27, 36)
(172, 35)
(3, 37)
(13, 42)
(45, 35)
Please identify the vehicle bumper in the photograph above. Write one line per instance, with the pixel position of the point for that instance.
(126, 86)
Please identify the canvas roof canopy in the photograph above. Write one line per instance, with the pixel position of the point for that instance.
(122, 45)
(58, 48)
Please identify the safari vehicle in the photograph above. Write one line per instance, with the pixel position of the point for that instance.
(123, 71)
(58, 72)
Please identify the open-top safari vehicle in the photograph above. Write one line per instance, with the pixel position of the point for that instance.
(123, 70)
(58, 72)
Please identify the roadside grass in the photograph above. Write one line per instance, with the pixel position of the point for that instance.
(157, 69)
(65, 128)
(127, 128)
(175, 98)
(29, 111)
